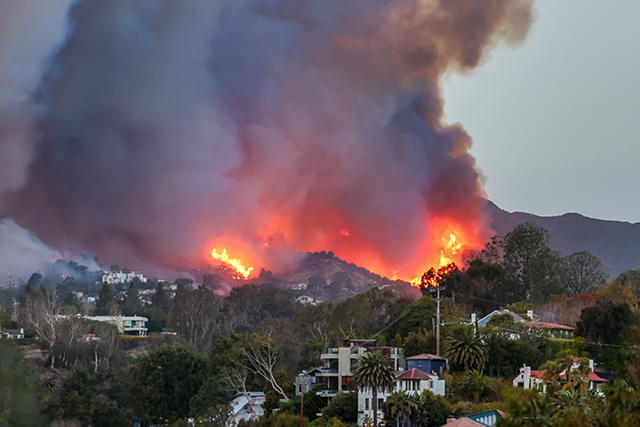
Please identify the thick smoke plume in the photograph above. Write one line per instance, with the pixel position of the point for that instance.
(269, 126)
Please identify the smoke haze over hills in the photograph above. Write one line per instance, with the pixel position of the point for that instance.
(149, 132)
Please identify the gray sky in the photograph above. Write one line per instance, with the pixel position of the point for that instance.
(556, 121)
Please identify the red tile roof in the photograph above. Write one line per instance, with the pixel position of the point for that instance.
(425, 356)
(412, 374)
(537, 374)
(549, 325)
(597, 378)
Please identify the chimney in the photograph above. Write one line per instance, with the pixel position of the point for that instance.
(473, 318)
(530, 314)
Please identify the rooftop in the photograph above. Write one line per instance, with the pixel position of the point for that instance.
(426, 356)
(412, 374)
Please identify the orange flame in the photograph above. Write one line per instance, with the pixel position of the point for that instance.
(449, 250)
(236, 263)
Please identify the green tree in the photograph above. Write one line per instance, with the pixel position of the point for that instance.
(605, 322)
(343, 406)
(464, 347)
(535, 269)
(433, 409)
(374, 371)
(19, 402)
(106, 300)
(401, 407)
(585, 272)
(131, 304)
(164, 381)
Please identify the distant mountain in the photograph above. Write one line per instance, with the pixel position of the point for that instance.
(616, 243)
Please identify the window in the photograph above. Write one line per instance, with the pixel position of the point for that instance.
(366, 404)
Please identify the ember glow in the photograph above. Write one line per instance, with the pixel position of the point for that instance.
(236, 263)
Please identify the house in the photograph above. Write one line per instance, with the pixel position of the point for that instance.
(305, 381)
(516, 317)
(127, 325)
(120, 277)
(337, 373)
(487, 418)
(532, 379)
(246, 407)
(12, 334)
(554, 330)
(411, 381)
(429, 363)
(306, 300)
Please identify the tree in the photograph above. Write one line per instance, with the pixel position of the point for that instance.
(40, 313)
(433, 410)
(374, 371)
(401, 407)
(530, 264)
(197, 316)
(343, 406)
(464, 347)
(106, 300)
(164, 382)
(605, 323)
(618, 292)
(131, 304)
(585, 272)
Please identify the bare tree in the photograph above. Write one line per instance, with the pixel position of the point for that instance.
(262, 358)
(40, 313)
(585, 272)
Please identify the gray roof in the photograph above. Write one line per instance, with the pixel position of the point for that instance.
(483, 322)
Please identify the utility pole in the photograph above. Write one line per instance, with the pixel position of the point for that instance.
(301, 399)
(438, 320)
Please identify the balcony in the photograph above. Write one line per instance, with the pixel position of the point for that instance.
(329, 353)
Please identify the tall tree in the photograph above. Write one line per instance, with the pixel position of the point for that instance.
(464, 347)
(131, 304)
(585, 272)
(530, 264)
(106, 300)
(374, 371)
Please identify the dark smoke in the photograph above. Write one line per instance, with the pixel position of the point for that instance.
(163, 125)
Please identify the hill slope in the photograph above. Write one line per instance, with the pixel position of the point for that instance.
(616, 243)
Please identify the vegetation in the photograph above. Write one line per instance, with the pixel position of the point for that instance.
(257, 338)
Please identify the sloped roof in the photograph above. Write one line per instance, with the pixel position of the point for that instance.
(516, 317)
(549, 325)
(426, 356)
(464, 422)
(412, 374)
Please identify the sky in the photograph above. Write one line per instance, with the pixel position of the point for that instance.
(555, 121)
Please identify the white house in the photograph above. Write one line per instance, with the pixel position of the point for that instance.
(412, 381)
(128, 325)
(532, 379)
(246, 407)
(113, 277)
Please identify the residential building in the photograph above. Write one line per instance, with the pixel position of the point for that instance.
(119, 277)
(429, 363)
(127, 325)
(411, 381)
(246, 407)
(516, 317)
(532, 379)
(554, 330)
(483, 419)
(337, 373)
(12, 334)
(305, 381)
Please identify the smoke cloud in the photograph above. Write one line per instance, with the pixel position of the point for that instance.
(270, 127)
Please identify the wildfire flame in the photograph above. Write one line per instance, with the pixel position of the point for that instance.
(450, 249)
(236, 263)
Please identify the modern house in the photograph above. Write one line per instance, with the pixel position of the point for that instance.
(429, 363)
(532, 379)
(119, 277)
(127, 325)
(245, 408)
(411, 381)
(336, 375)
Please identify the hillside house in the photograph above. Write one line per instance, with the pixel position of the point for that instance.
(127, 325)
(429, 363)
(246, 408)
(533, 379)
(411, 381)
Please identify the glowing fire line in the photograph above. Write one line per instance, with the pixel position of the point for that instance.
(236, 263)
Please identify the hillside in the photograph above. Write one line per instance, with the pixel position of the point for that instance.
(616, 243)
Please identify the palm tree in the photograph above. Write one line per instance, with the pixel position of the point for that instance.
(402, 407)
(375, 371)
(465, 347)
